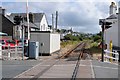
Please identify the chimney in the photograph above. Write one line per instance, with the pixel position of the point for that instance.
(53, 22)
(31, 17)
(56, 20)
(119, 7)
(113, 8)
(2, 11)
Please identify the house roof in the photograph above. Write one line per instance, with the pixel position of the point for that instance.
(112, 16)
(3, 16)
(9, 19)
(32, 25)
(37, 18)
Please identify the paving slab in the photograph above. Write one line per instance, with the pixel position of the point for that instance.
(105, 70)
(62, 69)
(85, 69)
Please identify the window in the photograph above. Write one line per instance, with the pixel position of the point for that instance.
(44, 27)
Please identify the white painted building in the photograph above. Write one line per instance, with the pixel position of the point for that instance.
(44, 24)
(112, 33)
(49, 42)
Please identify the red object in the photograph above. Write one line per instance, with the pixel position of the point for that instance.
(8, 43)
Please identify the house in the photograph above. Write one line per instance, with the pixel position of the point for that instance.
(6, 24)
(37, 22)
(112, 33)
(39, 30)
(39, 19)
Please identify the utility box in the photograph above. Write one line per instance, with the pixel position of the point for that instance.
(33, 50)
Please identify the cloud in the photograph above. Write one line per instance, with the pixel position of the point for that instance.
(82, 15)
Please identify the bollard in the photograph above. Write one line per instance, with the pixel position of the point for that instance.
(110, 47)
(16, 51)
(8, 51)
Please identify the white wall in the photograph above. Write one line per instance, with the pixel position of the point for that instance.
(54, 42)
(51, 41)
(32, 29)
(112, 34)
(44, 24)
(119, 30)
(42, 38)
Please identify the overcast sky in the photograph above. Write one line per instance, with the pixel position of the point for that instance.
(82, 16)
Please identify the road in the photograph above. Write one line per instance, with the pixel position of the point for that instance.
(11, 68)
(63, 69)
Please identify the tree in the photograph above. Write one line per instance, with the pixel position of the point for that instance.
(58, 30)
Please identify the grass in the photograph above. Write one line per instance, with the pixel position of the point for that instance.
(93, 47)
(95, 51)
(65, 43)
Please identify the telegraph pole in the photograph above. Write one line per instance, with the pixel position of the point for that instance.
(23, 39)
(28, 20)
(28, 26)
(56, 20)
(53, 23)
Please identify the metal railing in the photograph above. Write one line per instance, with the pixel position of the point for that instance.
(10, 52)
(111, 57)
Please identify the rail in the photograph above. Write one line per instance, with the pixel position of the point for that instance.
(70, 51)
(78, 61)
(76, 68)
(113, 58)
(35, 77)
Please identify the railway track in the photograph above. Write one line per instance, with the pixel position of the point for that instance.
(71, 50)
(77, 52)
(81, 56)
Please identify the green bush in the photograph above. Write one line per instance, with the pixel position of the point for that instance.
(72, 38)
(96, 38)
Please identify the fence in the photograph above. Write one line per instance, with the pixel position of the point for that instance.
(8, 52)
(114, 58)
